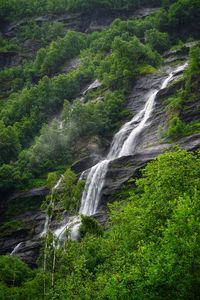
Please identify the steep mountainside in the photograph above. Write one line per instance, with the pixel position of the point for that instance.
(99, 149)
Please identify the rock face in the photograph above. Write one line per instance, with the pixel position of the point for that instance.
(27, 235)
(43, 191)
(122, 169)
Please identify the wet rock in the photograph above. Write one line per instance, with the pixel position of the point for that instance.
(29, 252)
(157, 124)
(84, 164)
(102, 218)
(71, 65)
(43, 191)
(122, 169)
(92, 86)
(85, 22)
(102, 17)
(32, 224)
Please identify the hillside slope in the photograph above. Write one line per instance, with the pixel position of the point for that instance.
(91, 93)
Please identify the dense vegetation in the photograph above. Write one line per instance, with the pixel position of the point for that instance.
(14, 9)
(180, 105)
(149, 251)
(32, 99)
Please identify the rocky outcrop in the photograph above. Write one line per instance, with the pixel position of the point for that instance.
(26, 237)
(89, 152)
(71, 65)
(122, 169)
(43, 191)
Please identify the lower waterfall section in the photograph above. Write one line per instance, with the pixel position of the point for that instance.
(93, 187)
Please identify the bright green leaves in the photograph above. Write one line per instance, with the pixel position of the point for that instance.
(60, 51)
(150, 249)
(194, 61)
(13, 271)
(67, 196)
(9, 143)
(157, 40)
(89, 225)
(71, 191)
(123, 63)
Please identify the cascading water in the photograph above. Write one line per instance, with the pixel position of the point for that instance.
(15, 250)
(93, 187)
(124, 143)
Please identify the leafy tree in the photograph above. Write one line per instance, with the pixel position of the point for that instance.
(177, 128)
(72, 189)
(13, 271)
(9, 143)
(157, 40)
(91, 226)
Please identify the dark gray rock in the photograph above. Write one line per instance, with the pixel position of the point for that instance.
(29, 252)
(30, 230)
(84, 163)
(85, 22)
(43, 191)
(102, 218)
(122, 169)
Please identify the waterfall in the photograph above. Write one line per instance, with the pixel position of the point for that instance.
(46, 225)
(93, 187)
(15, 250)
(124, 143)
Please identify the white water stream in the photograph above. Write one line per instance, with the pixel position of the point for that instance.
(124, 143)
(15, 250)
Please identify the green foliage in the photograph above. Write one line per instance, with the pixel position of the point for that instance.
(13, 272)
(71, 191)
(89, 226)
(51, 179)
(176, 128)
(157, 40)
(177, 105)
(49, 60)
(34, 98)
(40, 33)
(67, 196)
(194, 61)
(9, 143)
(7, 45)
(184, 12)
(126, 57)
(151, 248)
(15, 10)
